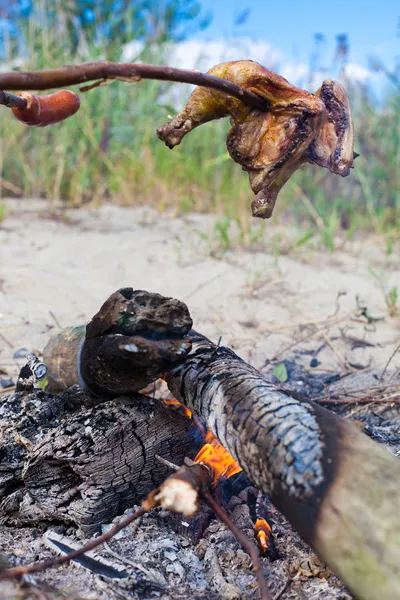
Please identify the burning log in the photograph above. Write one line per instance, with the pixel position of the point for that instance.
(217, 459)
(326, 477)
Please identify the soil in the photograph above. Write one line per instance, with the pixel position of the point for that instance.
(324, 312)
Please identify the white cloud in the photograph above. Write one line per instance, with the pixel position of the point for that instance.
(358, 73)
(299, 75)
(295, 73)
(202, 55)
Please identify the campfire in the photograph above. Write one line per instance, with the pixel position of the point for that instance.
(212, 453)
(90, 452)
(222, 467)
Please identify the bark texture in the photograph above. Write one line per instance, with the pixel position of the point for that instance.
(327, 477)
(66, 458)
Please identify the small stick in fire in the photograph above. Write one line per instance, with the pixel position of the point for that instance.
(263, 529)
(247, 544)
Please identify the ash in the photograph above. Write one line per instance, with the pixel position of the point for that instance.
(160, 563)
(164, 556)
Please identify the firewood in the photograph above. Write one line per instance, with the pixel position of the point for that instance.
(67, 457)
(133, 339)
(339, 489)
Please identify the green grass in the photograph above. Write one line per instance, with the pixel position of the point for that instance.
(109, 152)
(3, 211)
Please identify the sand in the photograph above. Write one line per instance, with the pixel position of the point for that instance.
(56, 272)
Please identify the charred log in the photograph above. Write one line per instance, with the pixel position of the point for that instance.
(65, 458)
(134, 338)
(329, 479)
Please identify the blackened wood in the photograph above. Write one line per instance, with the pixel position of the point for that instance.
(338, 488)
(133, 339)
(63, 458)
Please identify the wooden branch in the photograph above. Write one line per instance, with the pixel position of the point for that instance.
(56, 562)
(247, 544)
(104, 70)
(338, 488)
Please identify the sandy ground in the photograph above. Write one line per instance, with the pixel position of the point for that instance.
(57, 272)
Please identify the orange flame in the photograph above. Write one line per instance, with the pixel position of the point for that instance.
(263, 534)
(212, 453)
(174, 402)
(217, 459)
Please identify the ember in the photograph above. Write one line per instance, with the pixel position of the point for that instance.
(263, 533)
(212, 454)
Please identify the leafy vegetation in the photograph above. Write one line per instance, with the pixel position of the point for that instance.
(109, 151)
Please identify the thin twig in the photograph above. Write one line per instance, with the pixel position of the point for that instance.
(56, 321)
(166, 462)
(372, 394)
(395, 398)
(394, 375)
(369, 389)
(244, 540)
(48, 564)
(301, 324)
(9, 344)
(388, 363)
(317, 333)
(6, 390)
(103, 70)
(12, 101)
(126, 561)
(283, 589)
(338, 354)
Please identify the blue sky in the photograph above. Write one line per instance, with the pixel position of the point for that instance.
(289, 26)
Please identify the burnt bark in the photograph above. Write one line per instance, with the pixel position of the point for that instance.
(338, 488)
(131, 341)
(68, 459)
